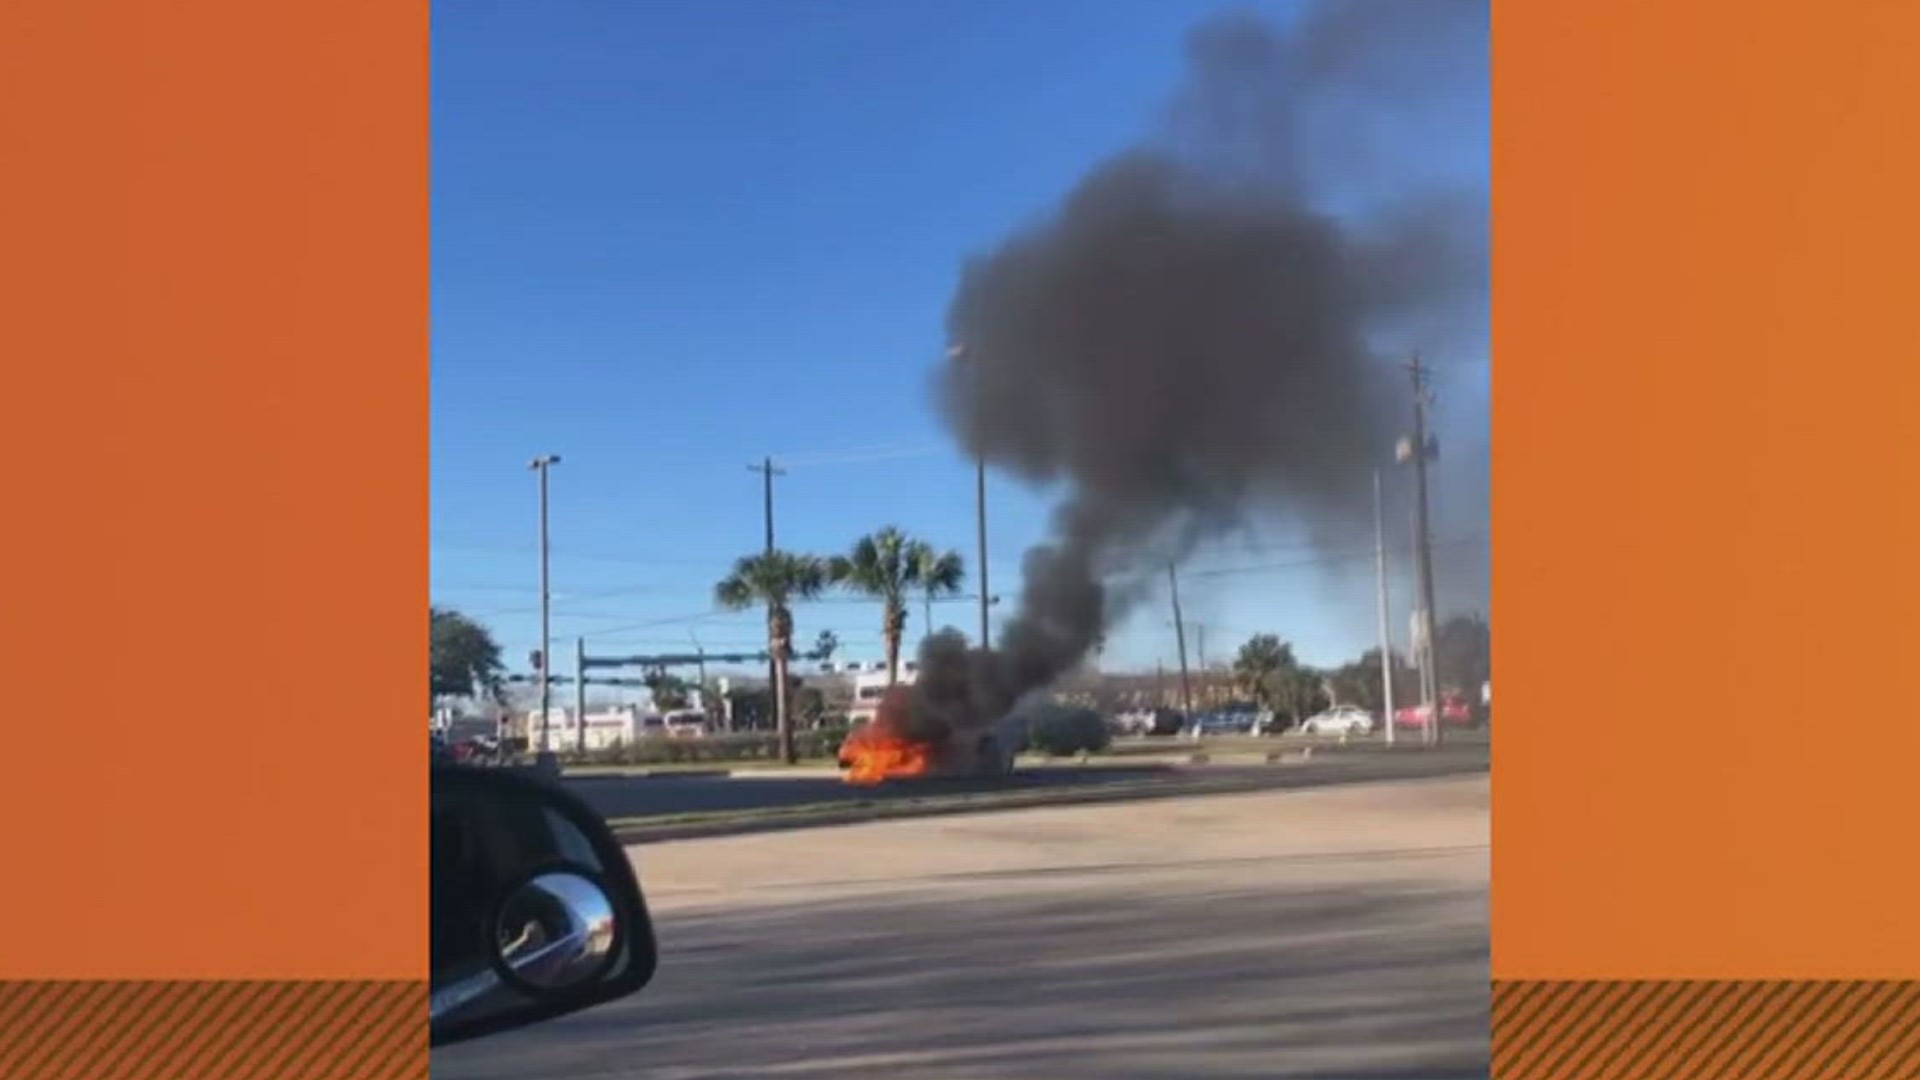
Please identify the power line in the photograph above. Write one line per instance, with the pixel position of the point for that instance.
(671, 620)
(869, 455)
(560, 551)
(1310, 563)
(1203, 573)
(653, 561)
(562, 597)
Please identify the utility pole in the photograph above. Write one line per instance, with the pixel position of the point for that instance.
(1422, 449)
(1180, 640)
(580, 692)
(980, 525)
(1386, 634)
(768, 470)
(542, 465)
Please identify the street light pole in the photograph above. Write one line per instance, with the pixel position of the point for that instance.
(980, 524)
(542, 465)
(958, 352)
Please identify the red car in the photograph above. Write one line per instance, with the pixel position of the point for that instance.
(1454, 711)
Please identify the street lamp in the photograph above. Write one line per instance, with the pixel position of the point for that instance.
(958, 353)
(545, 759)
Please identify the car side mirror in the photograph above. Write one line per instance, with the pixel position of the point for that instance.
(536, 909)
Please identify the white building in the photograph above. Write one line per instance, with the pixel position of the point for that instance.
(606, 729)
(610, 727)
(870, 684)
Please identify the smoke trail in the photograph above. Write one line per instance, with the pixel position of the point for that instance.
(1211, 324)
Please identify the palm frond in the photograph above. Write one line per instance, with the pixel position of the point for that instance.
(772, 578)
(877, 566)
(938, 573)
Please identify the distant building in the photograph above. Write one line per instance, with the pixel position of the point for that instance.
(870, 683)
(608, 727)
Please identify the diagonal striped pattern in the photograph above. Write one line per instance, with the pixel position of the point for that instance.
(1706, 1030)
(207, 1030)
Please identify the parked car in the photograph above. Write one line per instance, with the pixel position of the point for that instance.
(475, 749)
(1339, 720)
(1142, 722)
(1220, 723)
(1454, 712)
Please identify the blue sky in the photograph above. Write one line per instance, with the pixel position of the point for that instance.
(673, 236)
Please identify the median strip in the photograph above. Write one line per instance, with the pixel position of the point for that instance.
(659, 828)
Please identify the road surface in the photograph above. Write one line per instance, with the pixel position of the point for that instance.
(1337, 933)
(618, 796)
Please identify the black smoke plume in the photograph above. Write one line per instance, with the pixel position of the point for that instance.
(1211, 325)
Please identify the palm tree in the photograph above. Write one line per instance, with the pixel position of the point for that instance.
(775, 579)
(939, 574)
(887, 566)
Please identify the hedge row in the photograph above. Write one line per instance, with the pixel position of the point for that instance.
(750, 746)
(1058, 731)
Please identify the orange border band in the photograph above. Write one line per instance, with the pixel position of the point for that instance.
(214, 570)
(1704, 276)
(1706, 1030)
(213, 1030)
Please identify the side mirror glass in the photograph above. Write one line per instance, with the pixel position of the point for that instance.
(536, 910)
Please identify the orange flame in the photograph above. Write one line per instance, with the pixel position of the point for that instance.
(878, 752)
(876, 759)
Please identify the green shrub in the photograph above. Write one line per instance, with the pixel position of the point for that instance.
(1058, 732)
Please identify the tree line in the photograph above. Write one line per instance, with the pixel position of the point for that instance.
(1267, 670)
(887, 565)
(898, 570)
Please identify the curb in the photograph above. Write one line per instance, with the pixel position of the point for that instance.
(640, 833)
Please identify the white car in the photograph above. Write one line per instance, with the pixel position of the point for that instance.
(1340, 720)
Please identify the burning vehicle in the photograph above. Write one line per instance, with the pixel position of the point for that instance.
(902, 743)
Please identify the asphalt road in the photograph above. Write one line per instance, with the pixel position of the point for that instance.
(636, 796)
(1337, 933)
